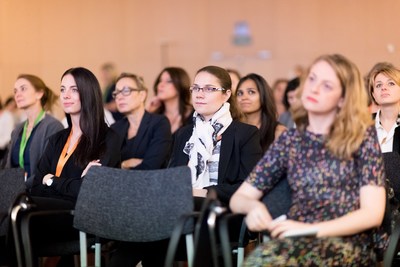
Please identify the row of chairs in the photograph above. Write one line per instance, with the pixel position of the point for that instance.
(138, 206)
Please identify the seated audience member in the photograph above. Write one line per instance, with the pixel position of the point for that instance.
(384, 89)
(289, 99)
(108, 75)
(255, 99)
(235, 77)
(147, 137)
(278, 89)
(85, 143)
(29, 139)
(219, 150)
(334, 167)
(7, 126)
(172, 97)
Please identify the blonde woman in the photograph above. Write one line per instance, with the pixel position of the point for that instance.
(384, 89)
(334, 167)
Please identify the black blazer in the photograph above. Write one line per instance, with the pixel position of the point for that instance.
(240, 152)
(396, 140)
(152, 142)
(68, 184)
(396, 137)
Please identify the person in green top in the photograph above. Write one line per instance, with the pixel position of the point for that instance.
(29, 138)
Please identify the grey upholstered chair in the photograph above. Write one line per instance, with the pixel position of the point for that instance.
(131, 205)
(11, 184)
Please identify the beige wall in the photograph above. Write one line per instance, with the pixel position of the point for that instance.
(45, 37)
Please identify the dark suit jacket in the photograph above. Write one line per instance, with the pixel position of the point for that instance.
(68, 184)
(396, 140)
(396, 137)
(152, 142)
(240, 152)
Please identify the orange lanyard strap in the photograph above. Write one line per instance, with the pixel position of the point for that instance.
(65, 155)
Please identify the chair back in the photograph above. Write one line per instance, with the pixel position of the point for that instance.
(133, 205)
(12, 183)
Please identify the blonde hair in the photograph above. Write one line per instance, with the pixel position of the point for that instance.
(386, 69)
(353, 118)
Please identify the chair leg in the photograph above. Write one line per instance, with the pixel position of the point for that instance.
(83, 248)
(14, 214)
(189, 249)
(97, 254)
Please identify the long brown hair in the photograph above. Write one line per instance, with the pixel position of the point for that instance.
(49, 98)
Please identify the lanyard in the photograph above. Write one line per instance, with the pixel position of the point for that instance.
(65, 155)
(25, 138)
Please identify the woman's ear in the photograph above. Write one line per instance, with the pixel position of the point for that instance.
(341, 102)
(227, 94)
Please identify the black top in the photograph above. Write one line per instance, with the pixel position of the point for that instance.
(152, 142)
(240, 152)
(68, 184)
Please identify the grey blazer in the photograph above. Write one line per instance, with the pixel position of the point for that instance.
(46, 128)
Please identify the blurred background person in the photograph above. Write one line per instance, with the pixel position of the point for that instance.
(235, 77)
(256, 100)
(289, 99)
(108, 75)
(29, 139)
(278, 88)
(172, 97)
(7, 126)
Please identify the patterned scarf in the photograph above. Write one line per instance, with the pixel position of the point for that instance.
(201, 144)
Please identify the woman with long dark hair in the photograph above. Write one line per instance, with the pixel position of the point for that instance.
(172, 97)
(86, 142)
(256, 100)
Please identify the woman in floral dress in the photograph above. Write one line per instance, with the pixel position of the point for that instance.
(334, 166)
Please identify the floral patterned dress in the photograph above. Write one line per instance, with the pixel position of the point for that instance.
(324, 187)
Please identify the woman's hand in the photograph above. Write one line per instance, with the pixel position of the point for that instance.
(277, 229)
(258, 218)
(153, 104)
(199, 192)
(47, 177)
(130, 163)
(92, 163)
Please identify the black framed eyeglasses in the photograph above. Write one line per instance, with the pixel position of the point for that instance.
(206, 89)
(125, 91)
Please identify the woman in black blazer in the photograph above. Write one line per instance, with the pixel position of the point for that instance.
(220, 150)
(85, 143)
(147, 137)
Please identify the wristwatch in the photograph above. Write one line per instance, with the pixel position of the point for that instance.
(49, 182)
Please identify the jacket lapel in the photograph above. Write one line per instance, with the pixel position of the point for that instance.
(227, 144)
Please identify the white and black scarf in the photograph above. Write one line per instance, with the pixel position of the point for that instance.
(201, 144)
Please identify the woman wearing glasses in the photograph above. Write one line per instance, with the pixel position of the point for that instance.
(220, 150)
(147, 137)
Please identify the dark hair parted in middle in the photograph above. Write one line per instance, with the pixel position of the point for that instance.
(181, 82)
(269, 120)
(92, 143)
